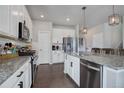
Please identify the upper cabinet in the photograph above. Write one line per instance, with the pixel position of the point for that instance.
(28, 22)
(14, 20)
(4, 19)
(10, 16)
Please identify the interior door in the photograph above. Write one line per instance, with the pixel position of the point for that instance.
(44, 47)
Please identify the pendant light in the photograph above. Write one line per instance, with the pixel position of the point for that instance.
(114, 19)
(84, 29)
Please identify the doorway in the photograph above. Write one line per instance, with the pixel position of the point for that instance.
(44, 47)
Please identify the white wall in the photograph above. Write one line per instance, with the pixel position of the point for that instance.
(104, 36)
(92, 34)
(40, 26)
(16, 42)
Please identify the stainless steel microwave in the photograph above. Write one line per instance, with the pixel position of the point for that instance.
(23, 31)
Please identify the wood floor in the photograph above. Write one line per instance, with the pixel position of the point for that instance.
(52, 76)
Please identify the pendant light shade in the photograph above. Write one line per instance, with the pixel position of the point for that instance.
(114, 19)
(84, 29)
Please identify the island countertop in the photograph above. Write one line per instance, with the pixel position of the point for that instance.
(9, 67)
(113, 61)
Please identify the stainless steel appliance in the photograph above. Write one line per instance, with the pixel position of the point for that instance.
(79, 44)
(34, 67)
(23, 31)
(68, 44)
(90, 74)
(23, 51)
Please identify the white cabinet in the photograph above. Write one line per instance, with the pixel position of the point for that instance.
(16, 15)
(20, 83)
(14, 20)
(10, 16)
(113, 78)
(57, 57)
(72, 68)
(20, 79)
(28, 22)
(27, 77)
(66, 64)
(76, 70)
(21, 13)
(4, 19)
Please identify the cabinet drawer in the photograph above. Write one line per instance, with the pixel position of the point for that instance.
(13, 79)
(19, 83)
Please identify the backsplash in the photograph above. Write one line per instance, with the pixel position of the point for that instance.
(16, 42)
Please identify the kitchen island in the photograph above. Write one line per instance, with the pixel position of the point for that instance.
(12, 69)
(113, 61)
(112, 71)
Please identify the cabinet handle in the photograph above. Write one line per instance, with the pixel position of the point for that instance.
(20, 74)
(71, 64)
(20, 84)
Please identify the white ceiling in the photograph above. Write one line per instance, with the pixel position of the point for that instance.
(95, 14)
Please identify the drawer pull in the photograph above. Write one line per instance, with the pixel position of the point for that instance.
(20, 84)
(20, 74)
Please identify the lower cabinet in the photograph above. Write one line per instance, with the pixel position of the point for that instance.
(113, 78)
(20, 79)
(72, 68)
(57, 56)
(27, 77)
(20, 83)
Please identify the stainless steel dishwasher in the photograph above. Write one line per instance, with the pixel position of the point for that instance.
(90, 74)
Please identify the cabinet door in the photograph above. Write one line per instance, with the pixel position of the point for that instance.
(54, 57)
(76, 71)
(65, 63)
(68, 64)
(21, 13)
(26, 16)
(60, 56)
(28, 22)
(70, 68)
(27, 77)
(14, 20)
(20, 83)
(4, 19)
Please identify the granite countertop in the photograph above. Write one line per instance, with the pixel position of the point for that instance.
(9, 67)
(113, 61)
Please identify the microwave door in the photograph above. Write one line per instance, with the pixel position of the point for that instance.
(26, 33)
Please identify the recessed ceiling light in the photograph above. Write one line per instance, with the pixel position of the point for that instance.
(42, 16)
(67, 19)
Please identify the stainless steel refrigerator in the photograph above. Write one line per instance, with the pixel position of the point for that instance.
(72, 45)
(68, 43)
